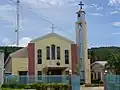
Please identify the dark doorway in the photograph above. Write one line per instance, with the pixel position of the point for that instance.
(22, 73)
(23, 77)
(55, 72)
(54, 76)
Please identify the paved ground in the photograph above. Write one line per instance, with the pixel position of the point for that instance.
(91, 88)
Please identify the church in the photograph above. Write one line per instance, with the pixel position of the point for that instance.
(50, 54)
(53, 54)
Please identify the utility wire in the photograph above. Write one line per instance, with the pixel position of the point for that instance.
(45, 19)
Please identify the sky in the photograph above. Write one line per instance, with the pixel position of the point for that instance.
(37, 17)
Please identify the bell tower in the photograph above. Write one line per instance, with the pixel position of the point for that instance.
(81, 41)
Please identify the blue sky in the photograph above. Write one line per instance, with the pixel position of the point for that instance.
(102, 16)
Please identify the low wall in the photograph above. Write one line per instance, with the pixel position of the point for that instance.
(112, 82)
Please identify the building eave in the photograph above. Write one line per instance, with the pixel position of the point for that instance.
(97, 62)
(52, 34)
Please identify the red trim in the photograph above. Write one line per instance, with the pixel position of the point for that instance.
(31, 59)
(74, 57)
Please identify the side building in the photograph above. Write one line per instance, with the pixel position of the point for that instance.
(50, 54)
(97, 70)
(1, 67)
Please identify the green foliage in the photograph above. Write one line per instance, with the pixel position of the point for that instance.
(113, 60)
(110, 54)
(12, 80)
(8, 49)
(102, 53)
(38, 86)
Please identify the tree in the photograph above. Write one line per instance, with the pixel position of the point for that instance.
(113, 62)
(92, 57)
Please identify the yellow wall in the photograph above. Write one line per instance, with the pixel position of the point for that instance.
(19, 64)
(41, 44)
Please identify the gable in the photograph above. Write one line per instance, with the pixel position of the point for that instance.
(97, 67)
(52, 35)
(21, 53)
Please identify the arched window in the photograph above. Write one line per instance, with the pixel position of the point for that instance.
(79, 15)
(48, 52)
(58, 53)
(39, 55)
(66, 57)
(53, 52)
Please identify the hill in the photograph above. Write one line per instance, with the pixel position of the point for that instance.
(101, 53)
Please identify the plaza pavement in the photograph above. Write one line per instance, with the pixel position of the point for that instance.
(91, 88)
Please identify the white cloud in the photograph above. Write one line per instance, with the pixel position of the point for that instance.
(117, 24)
(98, 7)
(95, 14)
(6, 41)
(44, 3)
(117, 33)
(22, 42)
(7, 13)
(115, 12)
(114, 2)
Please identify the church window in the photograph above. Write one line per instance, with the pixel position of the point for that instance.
(66, 57)
(78, 15)
(39, 56)
(53, 52)
(48, 52)
(58, 53)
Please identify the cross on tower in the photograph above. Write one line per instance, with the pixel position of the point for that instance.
(52, 28)
(81, 4)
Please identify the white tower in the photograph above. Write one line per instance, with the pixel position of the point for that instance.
(81, 40)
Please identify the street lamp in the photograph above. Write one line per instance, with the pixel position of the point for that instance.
(70, 74)
(106, 71)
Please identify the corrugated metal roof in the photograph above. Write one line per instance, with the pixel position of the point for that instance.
(100, 62)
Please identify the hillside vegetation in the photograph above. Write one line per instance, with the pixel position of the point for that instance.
(102, 53)
(94, 54)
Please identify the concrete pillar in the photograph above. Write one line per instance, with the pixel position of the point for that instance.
(101, 76)
(93, 75)
(86, 60)
(1, 67)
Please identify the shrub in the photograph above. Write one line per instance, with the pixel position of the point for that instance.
(38, 86)
(5, 86)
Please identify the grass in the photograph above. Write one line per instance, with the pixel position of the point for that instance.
(10, 89)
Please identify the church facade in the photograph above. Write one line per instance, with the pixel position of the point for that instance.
(51, 54)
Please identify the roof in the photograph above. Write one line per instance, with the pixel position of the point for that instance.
(99, 62)
(20, 53)
(52, 34)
